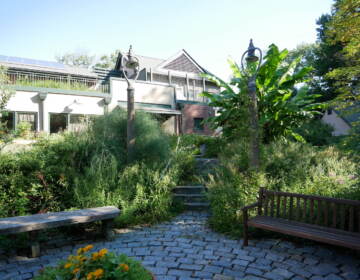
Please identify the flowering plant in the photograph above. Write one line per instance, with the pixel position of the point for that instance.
(96, 265)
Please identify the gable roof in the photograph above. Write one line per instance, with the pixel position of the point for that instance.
(180, 62)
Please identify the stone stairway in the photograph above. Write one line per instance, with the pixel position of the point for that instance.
(192, 197)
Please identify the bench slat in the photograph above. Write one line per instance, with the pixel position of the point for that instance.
(313, 232)
(56, 219)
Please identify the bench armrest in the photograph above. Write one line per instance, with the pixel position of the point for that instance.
(252, 205)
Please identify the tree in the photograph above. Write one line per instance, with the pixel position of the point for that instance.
(283, 105)
(108, 61)
(344, 29)
(76, 59)
(6, 91)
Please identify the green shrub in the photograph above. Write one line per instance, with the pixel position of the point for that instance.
(316, 132)
(213, 145)
(96, 265)
(286, 166)
(87, 169)
(23, 129)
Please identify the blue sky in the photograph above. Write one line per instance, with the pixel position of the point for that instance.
(210, 30)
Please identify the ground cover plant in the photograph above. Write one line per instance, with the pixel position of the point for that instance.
(96, 265)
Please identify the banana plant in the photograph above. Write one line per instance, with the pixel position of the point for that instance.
(283, 99)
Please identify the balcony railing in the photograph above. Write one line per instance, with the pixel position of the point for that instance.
(69, 82)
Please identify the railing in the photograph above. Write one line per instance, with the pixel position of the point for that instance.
(35, 79)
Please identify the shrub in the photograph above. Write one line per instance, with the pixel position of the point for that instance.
(23, 129)
(316, 132)
(213, 145)
(287, 166)
(97, 265)
(89, 169)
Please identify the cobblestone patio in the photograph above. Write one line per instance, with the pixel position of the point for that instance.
(186, 248)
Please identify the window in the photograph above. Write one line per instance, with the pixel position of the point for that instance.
(78, 122)
(27, 117)
(58, 122)
(198, 124)
(7, 119)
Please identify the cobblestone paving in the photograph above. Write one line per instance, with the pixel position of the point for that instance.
(185, 248)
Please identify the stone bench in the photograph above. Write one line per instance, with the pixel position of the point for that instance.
(34, 223)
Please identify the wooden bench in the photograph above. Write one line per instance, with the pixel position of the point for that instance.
(34, 223)
(324, 219)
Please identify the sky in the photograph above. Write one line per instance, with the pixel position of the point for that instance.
(209, 30)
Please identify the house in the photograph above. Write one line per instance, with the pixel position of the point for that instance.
(342, 121)
(52, 96)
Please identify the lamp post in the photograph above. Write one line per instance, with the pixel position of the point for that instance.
(130, 69)
(253, 108)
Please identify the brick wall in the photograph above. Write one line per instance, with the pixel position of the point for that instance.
(192, 111)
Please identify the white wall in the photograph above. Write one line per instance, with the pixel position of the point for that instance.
(339, 125)
(144, 92)
(55, 103)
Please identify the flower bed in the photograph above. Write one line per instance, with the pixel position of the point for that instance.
(96, 265)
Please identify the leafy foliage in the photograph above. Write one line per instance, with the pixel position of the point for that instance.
(96, 265)
(108, 61)
(76, 59)
(316, 132)
(88, 169)
(6, 91)
(287, 166)
(282, 106)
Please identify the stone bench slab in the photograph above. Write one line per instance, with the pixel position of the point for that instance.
(56, 219)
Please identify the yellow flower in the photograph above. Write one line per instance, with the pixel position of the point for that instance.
(76, 270)
(103, 252)
(95, 256)
(90, 276)
(87, 248)
(98, 273)
(124, 267)
(80, 250)
(67, 265)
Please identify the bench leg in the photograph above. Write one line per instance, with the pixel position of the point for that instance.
(34, 244)
(107, 229)
(245, 228)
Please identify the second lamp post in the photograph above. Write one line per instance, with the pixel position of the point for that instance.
(253, 108)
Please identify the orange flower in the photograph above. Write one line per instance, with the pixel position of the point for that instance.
(76, 270)
(87, 248)
(90, 276)
(67, 265)
(95, 256)
(124, 267)
(98, 273)
(103, 252)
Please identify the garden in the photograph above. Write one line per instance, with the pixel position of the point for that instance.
(294, 151)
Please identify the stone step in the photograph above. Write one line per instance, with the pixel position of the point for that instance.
(200, 206)
(190, 197)
(198, 189)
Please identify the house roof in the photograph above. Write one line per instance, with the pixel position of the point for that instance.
(180, 62)
(350, 115)
(44, 66)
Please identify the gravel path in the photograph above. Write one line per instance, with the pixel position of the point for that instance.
(185, 248)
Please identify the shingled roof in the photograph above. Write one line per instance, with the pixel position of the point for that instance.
(180, 62)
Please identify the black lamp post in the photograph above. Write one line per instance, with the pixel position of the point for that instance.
(253, 108)
(130, 69)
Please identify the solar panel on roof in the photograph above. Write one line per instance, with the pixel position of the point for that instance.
(28, 61)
